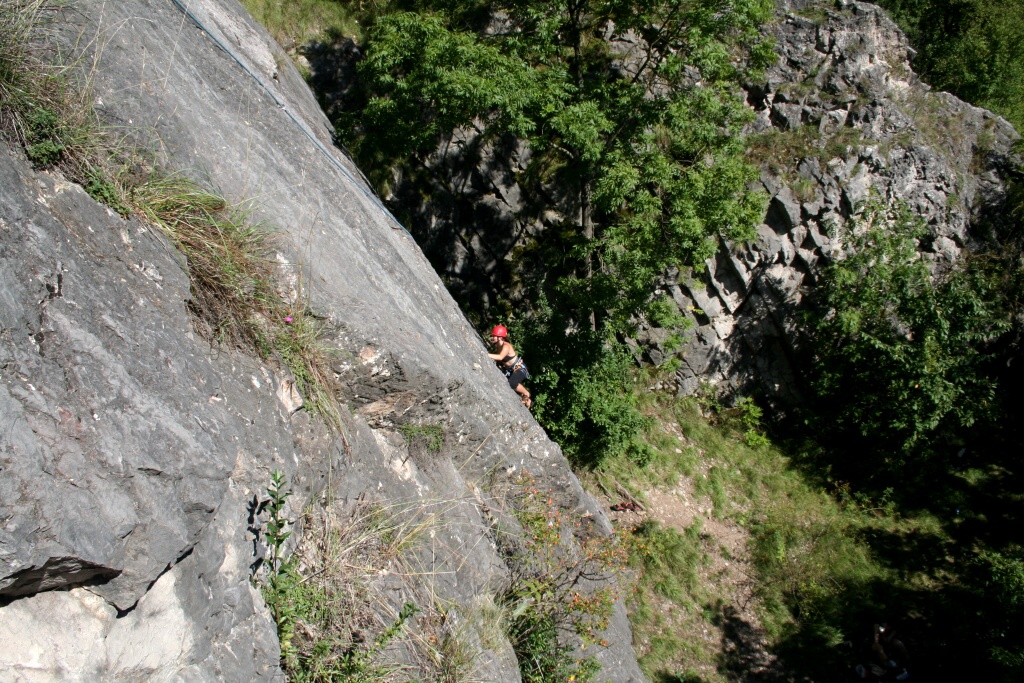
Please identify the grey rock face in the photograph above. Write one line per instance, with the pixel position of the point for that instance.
(879, 132)
(123, 439)
(133, 453)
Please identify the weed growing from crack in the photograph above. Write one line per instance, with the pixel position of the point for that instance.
(558, 590)
(235, 295)
(340, 622)
(282, 579)
(446, 646)
(431, 434)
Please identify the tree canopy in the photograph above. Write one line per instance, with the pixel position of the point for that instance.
(972, 48)
(644, 137)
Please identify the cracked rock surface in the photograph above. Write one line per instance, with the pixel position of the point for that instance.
(123, 461)
(134, 455)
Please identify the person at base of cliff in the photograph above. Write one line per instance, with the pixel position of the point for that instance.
(887, 657)
(510, 362)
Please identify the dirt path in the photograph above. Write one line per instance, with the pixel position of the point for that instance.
(731, 627)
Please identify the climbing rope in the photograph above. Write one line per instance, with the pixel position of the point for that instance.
(281, 105)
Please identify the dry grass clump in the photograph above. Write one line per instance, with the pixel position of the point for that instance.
(44, 101)
(24, 72)
(45, 107)
(342, 621)
(236, 295)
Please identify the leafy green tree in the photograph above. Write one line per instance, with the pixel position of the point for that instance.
(642, 145)
(972, 48)
(650, 147)
(1000, 584)
(901, 351)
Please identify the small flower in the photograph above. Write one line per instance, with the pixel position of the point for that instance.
(288, 319)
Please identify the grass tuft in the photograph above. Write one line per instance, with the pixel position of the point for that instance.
(235, 285)
(45, 108)
(431, 435)
(304, 21)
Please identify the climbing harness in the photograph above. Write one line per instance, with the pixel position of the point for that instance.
(516, 366)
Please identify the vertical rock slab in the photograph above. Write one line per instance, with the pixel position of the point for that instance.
(135, 453)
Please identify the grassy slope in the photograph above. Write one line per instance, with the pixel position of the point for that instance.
(302, 21)
(805, 567)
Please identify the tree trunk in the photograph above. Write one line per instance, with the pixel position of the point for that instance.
(587, 222)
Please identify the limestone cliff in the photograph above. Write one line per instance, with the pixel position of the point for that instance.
(135, 455)
(840, 118)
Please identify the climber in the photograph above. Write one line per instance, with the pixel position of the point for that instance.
(510, 362)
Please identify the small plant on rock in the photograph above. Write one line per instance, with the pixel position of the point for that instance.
(282, 577)
(337, 621)
(558, 590)
(430, 434)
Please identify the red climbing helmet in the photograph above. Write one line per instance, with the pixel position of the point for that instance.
(499, 331)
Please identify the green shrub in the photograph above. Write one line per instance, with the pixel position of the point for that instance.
(43, 138)
(899, 351)
(999, 577)
(586, 401)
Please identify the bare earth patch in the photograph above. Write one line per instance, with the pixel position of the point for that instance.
(727, 639)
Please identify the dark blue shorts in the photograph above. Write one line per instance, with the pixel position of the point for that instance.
(518, 377)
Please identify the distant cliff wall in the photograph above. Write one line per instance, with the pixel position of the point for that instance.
(840, 117)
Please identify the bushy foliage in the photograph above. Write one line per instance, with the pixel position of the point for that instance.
(899, 344)
(972, 48)
(1000, 578)
(647, 157)
(585, 400)
(428, 78)
(653, 156)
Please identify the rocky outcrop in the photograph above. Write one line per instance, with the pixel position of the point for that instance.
(130, 451)
(135, 455)
(841, 117)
